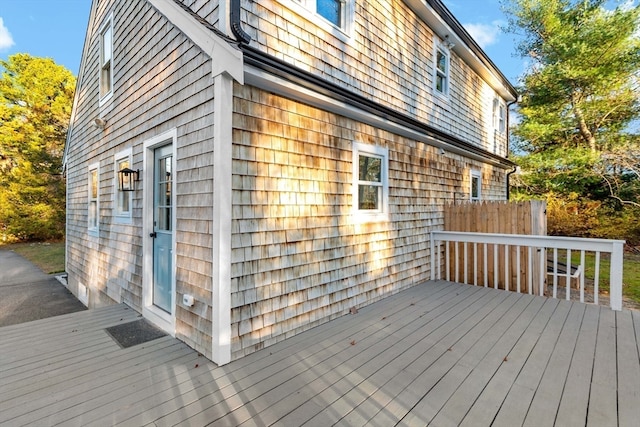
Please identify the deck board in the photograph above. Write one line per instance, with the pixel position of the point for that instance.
(439, 353)
(602, 399)
(628, 370)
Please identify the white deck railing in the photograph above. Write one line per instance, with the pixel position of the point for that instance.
(483, 259)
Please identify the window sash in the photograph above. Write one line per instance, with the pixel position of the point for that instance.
(331, 10)
(106, 59)
(93, 194)
(123, 198)
(476, 186)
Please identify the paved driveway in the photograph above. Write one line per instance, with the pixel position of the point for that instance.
(26, 293)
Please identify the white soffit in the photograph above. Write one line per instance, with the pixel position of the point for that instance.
(224, 57)
(442, 29)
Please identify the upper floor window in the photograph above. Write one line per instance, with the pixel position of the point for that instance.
(499, 116)
(371, 182)
(123, 199)
(106, 59)
(441, 71)
(476, 185)
(93, 199)
(334, 11)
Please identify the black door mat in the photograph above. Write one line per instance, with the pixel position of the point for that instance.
(134, 333)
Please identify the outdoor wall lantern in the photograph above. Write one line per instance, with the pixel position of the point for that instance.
(127, 179)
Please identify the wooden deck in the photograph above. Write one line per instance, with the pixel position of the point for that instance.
(440, 353)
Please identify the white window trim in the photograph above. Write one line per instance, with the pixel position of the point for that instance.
(502, 117)
(307, 9)
(440, 46)
(475, 174)
(104, 98)
(93, 231)
(120, 217)
(499, 115)
(370, 215)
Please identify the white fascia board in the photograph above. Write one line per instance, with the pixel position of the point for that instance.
(224, 57)
(264, 80)
(442, 29)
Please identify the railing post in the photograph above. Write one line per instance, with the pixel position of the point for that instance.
(615, 276)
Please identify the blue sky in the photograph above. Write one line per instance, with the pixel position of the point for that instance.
(56, 28)
(45, 28)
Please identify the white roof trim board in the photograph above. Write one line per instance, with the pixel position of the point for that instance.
(224, 57)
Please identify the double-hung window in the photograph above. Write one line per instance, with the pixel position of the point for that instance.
(93, 212)
(123, 199)
(371, 182)
(442, 63)
(476, 185)
(106, 59)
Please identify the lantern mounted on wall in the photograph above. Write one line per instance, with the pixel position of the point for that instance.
(127, 179)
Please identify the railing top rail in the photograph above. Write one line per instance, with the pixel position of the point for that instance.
(560, 242)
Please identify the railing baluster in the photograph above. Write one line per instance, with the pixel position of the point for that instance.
(530, 269)
(518, 268)
(568, 276)
(596, 278)
(582, 274)
(475, 264)
(456, 268)
(495, 266)
(555, 274)
(447, 260)
(543, 270)
(507, 267)
(486, 268)
(466, 263)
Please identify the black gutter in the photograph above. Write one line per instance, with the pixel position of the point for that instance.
(236, 24)
(277, 67)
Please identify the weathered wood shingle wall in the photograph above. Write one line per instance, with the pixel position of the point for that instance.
(299, 255)
(389, 58)
(161, 81)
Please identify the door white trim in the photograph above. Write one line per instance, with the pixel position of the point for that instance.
(162, 319)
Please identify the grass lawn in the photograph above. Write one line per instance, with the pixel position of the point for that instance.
(48, 256)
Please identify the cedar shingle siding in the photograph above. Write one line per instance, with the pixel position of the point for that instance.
(299, 256)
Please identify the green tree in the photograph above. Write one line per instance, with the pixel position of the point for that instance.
(36, 97)
(580, 96)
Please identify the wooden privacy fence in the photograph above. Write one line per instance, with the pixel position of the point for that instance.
(498, 217)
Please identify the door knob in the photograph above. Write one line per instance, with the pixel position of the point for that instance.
(154, 234)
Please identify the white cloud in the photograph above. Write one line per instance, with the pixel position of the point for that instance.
(6, 41)
(484, 34)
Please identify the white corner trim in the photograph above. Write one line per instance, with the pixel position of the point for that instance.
(222, 208)
(224, 58)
